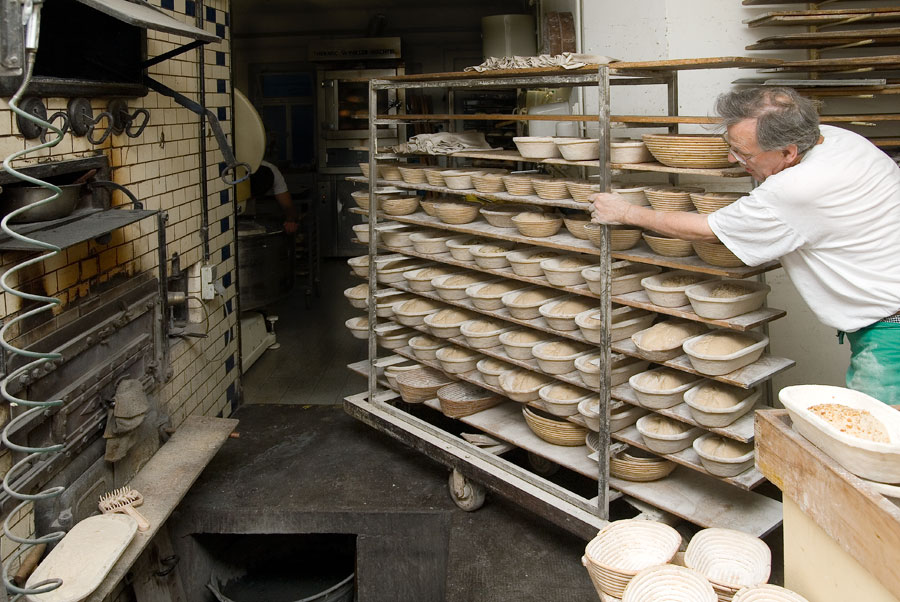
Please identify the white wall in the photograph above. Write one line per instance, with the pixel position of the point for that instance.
(661, 29)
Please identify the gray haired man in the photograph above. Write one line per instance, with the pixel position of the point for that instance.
(827, 206)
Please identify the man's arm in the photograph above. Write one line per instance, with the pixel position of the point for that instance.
(609, 208)
(290, 214)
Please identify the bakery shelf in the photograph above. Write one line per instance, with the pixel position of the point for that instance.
(740, 430)
(637, 299)
(843, 64)
(822, 17)
(889, 36)
(747, 480)
(748, 377)
(566, 242)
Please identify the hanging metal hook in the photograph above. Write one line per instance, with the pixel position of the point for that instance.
(63, 128)
(134, 133)
(106, 132)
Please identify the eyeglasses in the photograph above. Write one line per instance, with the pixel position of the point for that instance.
(741, 158)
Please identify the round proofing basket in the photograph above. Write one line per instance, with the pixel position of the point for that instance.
(671, 198)
(621, 238)
(413, 174)
(546, 226)
(457, 213)
(500, 216)
(404, 205)
(536, 147)
(624, 465)
(435, 177)
(575, 224)
(554, 430)
(670, 583)
(717, 254)
(708, 202)
(767, 593)
(488, 182)
(669, 247)
(421, 384)
(425, 348)
(527, 262)
(560, 273)
(581, 190)
(550, 190)
(462, 399)
(518, 185)
(487, 257)
(518, 392)
(579, 149)
(625, 547)
(458, 180)
(729, 559)
(688, 150)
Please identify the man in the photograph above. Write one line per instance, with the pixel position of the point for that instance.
(827, 206)
(268, 181)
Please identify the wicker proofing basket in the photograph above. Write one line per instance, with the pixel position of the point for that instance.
(670, 583)
(542, 227)
(669, 247)
(500, 216)
(621, 238)
(488, 182)
(627, 466)
(625, 547)
(710, 202)
(576, 223)
(457, 213)
(404, 205)
(767, 593)
(717, 254)
(421, 384)
(554, 430)
(464, 399)
(435, 177)
(729, 559)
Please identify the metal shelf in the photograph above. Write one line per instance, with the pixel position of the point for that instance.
(81, 226)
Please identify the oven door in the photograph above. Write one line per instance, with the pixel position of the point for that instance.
(344, 103)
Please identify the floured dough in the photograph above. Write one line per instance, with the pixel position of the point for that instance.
(450, 316)
(681, 280)
(728, 290)
(460, 280)
(522, 380)
(414, 306)
(458, 353)
(660, 425)
(561, 349)
(497, 289)
(540, 256)
(531, 216)
(721, 447)
(429, 273)
(856, 423)
(573, 262)
(522, 337)
(492, 250)
(664, 380)
(481, 326)
(722, 343)
(570, 307)
(718, 395)
(669, 335)
(566, 392)
(494, 365)
(533, 297)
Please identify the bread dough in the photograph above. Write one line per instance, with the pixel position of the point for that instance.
(482, 326)
(669, 335)
(531, 216)
(458, 354)
(522, 380)
(718, 395)
(492, 250)
(681, 280)
(722, 343)
(728, 290)
(660, 425)
(494, 365)
(523, 337)
(429, 273)
(449, 317)
(856, 423)
(570, 307)
(568, 263)
(537, 256)
(461, 280)
(566, 392)
(531, 298)
(360, 291)
(424, 341)
(664, 380)
(561, 349)
(415, 306)
(721, 447)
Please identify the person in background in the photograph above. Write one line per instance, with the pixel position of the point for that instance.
(827, 206)
(268, 181)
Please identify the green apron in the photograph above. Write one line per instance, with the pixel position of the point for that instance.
(875, 361)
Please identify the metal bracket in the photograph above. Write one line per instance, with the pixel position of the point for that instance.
(231, 164)
(12, 39)
(123, 119)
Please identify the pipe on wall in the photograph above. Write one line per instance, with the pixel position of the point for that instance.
(204, 186)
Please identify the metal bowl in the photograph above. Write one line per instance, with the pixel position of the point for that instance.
(16, 197)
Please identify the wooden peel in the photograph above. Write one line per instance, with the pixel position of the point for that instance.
(123, 501)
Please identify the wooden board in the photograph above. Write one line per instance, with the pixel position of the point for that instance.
(747, 377)
(165, 480)
(862, 521)
(848, 64)
(829, 39)
(726, 62)
(747, 480)
(722, 172)
(637, 299)
(565, 241)
(706, 501)
(741, 429)
(820, 17)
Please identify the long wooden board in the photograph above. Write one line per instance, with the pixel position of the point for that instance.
(820, 17)
(829, 39)
(847, 64)
(861, 520)
(164, 481)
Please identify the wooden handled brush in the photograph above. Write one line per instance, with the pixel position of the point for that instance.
(123, 501)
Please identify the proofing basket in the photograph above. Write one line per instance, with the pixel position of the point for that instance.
(421, 384)
(729, 559)
(554, 430)
(767, 593)
(462, 399)
(670, 583)
(623, 548)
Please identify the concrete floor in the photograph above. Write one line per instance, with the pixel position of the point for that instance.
(498, 553)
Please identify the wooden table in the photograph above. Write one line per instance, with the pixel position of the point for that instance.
(841, 537)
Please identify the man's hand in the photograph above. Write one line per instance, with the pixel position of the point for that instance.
(608, 208)
(290, 226)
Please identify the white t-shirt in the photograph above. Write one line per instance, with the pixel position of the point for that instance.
(278, 183)
(834, 222)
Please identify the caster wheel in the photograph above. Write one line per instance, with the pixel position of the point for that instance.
(466, 494)
(542, 466)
